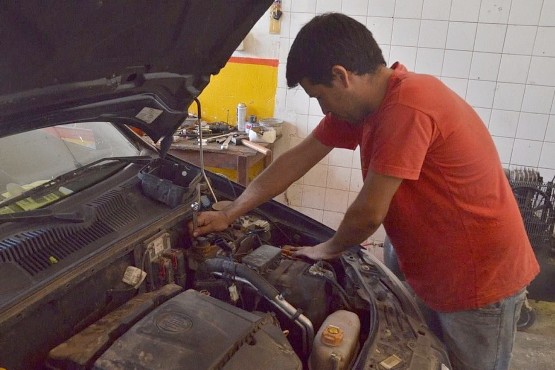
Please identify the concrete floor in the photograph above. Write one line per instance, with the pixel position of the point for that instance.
(535, 347)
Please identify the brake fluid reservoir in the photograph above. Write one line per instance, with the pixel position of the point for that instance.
(336, 342)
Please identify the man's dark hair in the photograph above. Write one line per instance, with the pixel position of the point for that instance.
(331, 39)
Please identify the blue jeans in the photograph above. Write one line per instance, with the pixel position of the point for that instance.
(479, 339)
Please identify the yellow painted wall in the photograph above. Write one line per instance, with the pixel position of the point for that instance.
(252, 81)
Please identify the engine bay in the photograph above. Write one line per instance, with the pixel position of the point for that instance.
(134, 289)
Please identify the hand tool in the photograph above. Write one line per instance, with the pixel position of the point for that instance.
(226, 142)
(243, 140)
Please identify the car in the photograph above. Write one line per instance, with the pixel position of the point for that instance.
(98, 268)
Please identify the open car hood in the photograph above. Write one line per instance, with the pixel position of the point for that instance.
(139, 63)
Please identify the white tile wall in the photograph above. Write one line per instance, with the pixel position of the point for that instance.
(532, 126)
(436, 9)
(497, 54)
(525, 11)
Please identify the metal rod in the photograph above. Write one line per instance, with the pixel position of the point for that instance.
(201, 152)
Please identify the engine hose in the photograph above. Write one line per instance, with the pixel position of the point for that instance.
(223, 267)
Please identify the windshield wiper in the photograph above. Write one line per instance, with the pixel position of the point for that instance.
(42, 215)
(72, 175)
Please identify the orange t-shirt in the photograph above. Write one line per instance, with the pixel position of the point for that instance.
(454, 221)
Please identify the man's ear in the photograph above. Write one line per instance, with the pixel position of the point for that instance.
(340, 74)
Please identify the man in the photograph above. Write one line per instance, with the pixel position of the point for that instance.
(432, 176)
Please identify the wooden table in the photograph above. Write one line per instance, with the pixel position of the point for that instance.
(237, 157)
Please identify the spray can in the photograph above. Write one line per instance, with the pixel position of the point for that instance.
(241, 116)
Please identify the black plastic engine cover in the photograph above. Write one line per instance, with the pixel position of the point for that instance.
(195, 331)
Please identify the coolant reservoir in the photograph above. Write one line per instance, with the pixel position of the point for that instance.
(336, 342)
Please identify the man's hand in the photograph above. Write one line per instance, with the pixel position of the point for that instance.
(322, 251)
(209, 222)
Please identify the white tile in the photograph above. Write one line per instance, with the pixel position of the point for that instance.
(538, 99)
(547, 158)
(504, 147)
(433, 34)
(503, 123)
(381, 28)
(281, 80)
(332, 219)
(314, 108)
(495, 11)
(485, 114)
(356, 181)
(280, 106)
(456, 63)
(381, 8)
(459, 86)
(379, 236)
(508, 96)
(542, 71)
(404, 54)
(550, 132)
(526, 153)
(356, 159)
(480, 93)
(525, 11)
(429, 61)
(313, 121)
(514, 68)
(305, 6)
(341, 157)
(545, 45)
(548, 174)
(359, 18)
(314, 196)
(294, 195)
(315, 214)
(338, 178)
(385, 51)
(336, 200)
(408, 8)
(324, 6)
(465, 10)
(532, 126)
(461, 35)
(490, 37)
(284, 47)
(316, 176)
(485, 66)
(546, 17)
(436, 9)
(405, 32)
(298, 20)
(355, 7)
(297, 101)
(301, 125)
(519, 39)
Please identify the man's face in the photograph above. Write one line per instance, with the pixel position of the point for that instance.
(333, 99)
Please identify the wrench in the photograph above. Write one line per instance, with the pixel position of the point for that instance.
(226, 142)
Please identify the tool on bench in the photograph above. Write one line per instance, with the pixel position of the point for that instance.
(244, 140)
(219, 137)
(226, 142)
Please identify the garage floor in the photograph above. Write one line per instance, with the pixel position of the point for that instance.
(535, 348)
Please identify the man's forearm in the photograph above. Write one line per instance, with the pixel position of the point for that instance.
(353, 230)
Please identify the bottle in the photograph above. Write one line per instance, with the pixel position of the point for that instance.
(241, 116)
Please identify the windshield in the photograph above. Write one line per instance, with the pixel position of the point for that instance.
(30, 159)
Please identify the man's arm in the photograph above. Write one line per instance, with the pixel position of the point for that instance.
(361, 220)
(285, 170)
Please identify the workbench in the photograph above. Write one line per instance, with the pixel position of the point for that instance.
(237, 157)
